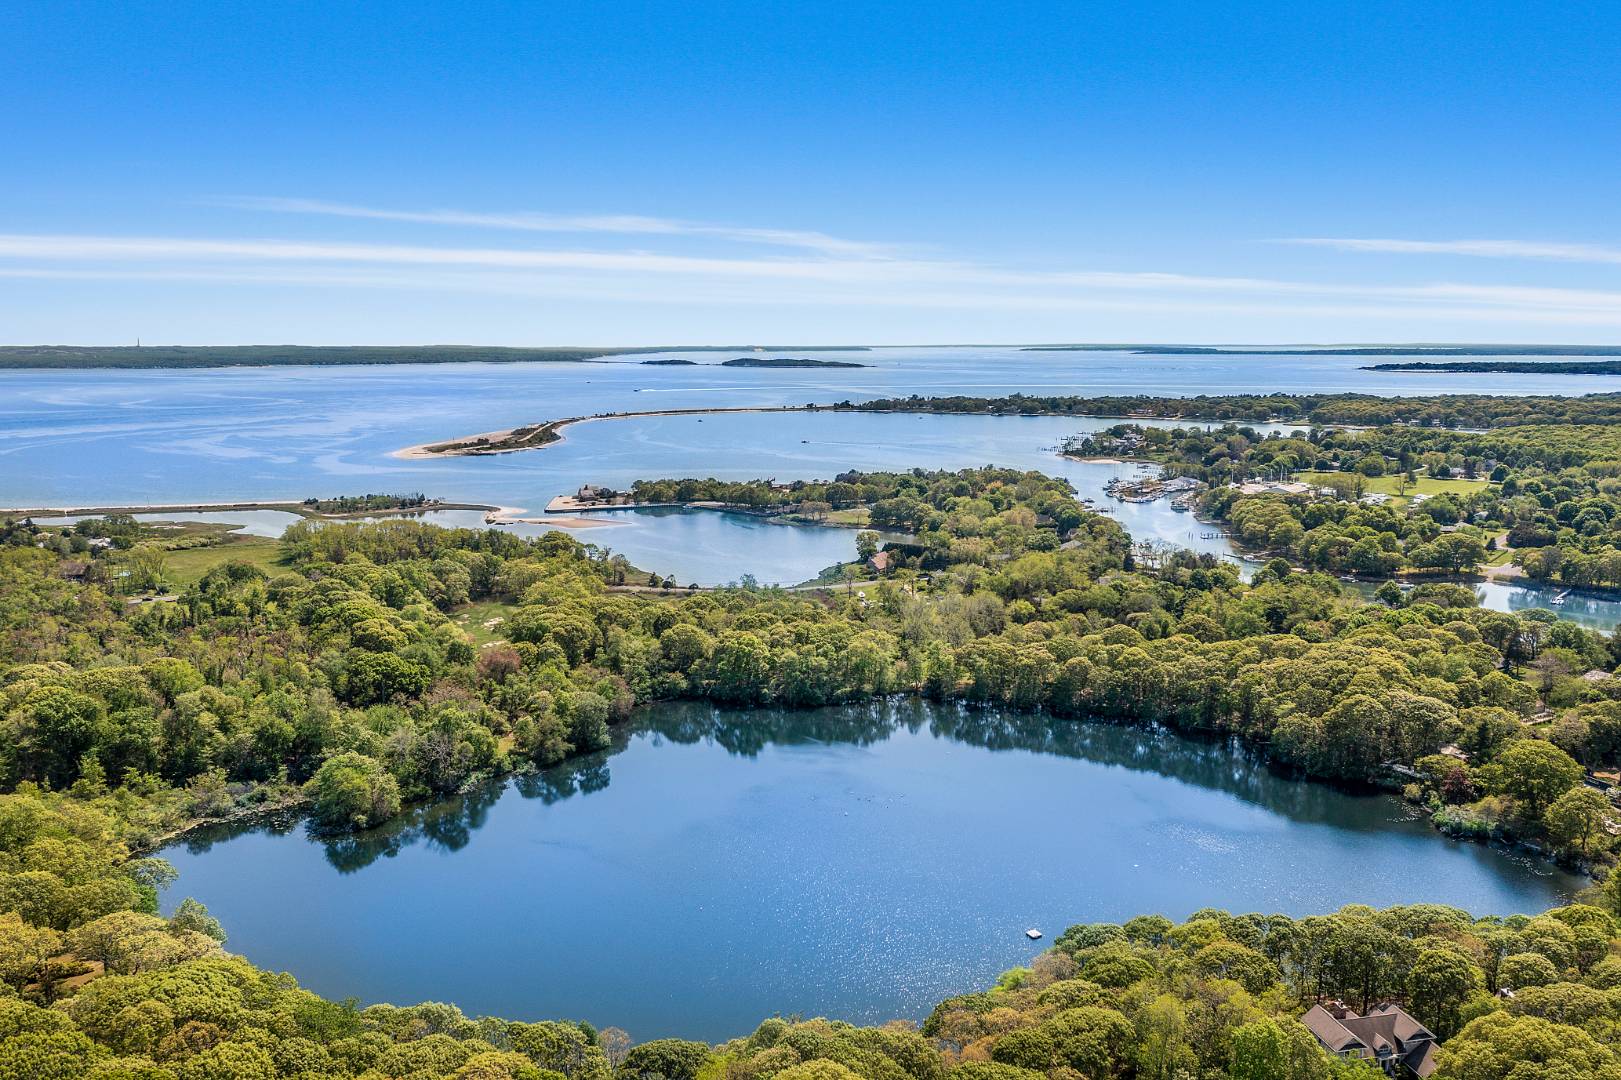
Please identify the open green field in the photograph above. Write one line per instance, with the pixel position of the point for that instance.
(183, 568)
(854, 518)
(1393, 485)
(484, 621)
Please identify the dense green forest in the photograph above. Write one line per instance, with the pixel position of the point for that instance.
(339, 679)
(339, 676)
(359, 504)
(937, 504)
(1441, 410)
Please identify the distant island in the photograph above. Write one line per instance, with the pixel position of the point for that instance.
(1347, 350)
(786, 362)
(1534, 367)
(213, 356)
(758, 362)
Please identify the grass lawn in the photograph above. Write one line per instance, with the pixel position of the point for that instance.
(1391, 485)
(478, 620)
(1500, 557)
(855, 517)
(183, 568)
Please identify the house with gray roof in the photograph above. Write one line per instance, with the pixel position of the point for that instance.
(1387, 1036)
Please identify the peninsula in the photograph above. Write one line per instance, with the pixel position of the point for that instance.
(536, 436)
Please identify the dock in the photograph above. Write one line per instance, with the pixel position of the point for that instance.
(570, 504)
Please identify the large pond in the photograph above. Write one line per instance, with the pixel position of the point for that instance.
(721, 866)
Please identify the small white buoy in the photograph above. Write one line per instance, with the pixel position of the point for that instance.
(1033, 934)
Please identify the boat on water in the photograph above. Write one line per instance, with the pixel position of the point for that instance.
(1033, 934)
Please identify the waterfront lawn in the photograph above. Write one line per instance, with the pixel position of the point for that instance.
(854, 518)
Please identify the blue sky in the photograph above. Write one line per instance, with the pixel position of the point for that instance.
(559, 173)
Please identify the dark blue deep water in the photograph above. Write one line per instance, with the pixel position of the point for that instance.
(721, 866)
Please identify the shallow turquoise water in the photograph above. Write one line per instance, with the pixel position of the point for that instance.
(860, 863)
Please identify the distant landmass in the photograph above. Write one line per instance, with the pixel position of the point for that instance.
(211, 356)
(786, 362)
(1349, 350)
(1535, 367)
(757, 362)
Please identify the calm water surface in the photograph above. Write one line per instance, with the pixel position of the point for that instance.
(861, 863)
(233, 433)
(289, 433)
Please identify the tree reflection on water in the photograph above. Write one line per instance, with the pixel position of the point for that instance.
(1216, 764)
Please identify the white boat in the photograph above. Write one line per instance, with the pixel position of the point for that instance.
(1033, 934)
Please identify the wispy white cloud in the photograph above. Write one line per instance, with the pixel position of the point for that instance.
(1484, 249)
(820, 279)
(532, 221)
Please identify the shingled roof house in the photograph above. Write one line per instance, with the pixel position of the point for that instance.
(1387, 1036)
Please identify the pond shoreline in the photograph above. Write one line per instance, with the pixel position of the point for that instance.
(292, 805)
(685, 783)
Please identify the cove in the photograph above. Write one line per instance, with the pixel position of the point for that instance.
(289, 433)
(720, 866)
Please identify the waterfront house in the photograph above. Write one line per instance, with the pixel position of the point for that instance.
(1387, 1036)
(592, 493)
